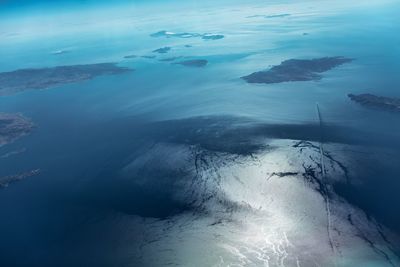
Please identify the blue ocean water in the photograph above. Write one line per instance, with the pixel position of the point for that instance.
(88, 130)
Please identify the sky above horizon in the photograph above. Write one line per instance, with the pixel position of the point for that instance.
(48, 6)
(26, 19)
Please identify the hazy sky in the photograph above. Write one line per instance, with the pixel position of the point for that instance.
(32, 3)
(12, 6)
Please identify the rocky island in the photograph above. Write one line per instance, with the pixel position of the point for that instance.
(378, 102)
(269, 16)
(169, 59)
(204, 36)
(162, 50)
(193, 63)
(130, 56)
(293, 70)
(13, 126)
(212, 36)
(43, 78)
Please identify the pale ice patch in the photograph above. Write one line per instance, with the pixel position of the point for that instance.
(273, 208)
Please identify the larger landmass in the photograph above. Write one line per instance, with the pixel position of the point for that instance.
(13, 126)
(43, 78)
(296, 70)
(378, 102)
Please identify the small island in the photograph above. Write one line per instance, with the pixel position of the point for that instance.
(293, 70)
(277, 16)
(162, 50)
(204, 36)
(13, 126)
(44, 78)
(212, 36)
(130, 56)
(269, 16)
(377, 102)
(169, 59)
(193, 63)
